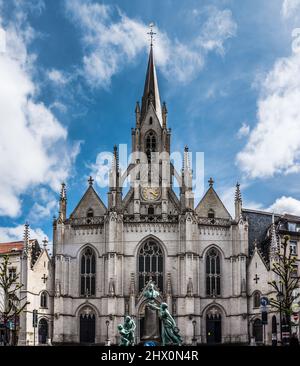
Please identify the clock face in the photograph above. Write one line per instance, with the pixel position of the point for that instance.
(150, 193)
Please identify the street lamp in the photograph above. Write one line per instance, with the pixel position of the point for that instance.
(107, 325)
(280, 298)
(194, 340)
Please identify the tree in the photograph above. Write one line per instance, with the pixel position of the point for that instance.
(284, 268)
(11, 307)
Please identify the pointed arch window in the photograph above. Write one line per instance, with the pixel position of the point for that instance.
(256, 299)
(211, 214)
(151, 144)
(88, 272)
(44, 300)
(150, 265)
(213, 273)
(90, 212)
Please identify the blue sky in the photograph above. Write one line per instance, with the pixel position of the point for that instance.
(72, 71)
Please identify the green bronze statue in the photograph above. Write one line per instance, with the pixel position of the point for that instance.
(126, 332)
(170, 333)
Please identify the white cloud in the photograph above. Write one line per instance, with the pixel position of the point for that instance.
(284, 205)
(109, 44)
(46, 205)
(243, 131)
(290, 7)
(57, 77)
(219, 27)
(273, 145)
(9, 234)
(33, 143)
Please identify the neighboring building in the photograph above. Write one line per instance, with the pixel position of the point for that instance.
(266, 231)
(33, 265)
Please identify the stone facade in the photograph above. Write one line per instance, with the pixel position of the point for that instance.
(203, 260)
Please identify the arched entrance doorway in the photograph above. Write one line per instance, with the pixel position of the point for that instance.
(257, 331)
(43, 331)
(213, 326)
(87, 325)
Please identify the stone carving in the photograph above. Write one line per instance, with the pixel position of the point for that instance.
(190, 290)
(111, 288)
(151, 320)
(126, 332)
(170, 333)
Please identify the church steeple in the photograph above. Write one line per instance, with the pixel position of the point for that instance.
(151, 90)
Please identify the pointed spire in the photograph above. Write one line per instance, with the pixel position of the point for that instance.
(63, 192)
(26, 237)
(151, 90)
(238, 196)
(116, 158)
(238, 202)
(137, 115)
(63, 203)
(164, 115)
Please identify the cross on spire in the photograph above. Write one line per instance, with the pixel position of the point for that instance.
(91, 181)
(211, 182)
(151, 33)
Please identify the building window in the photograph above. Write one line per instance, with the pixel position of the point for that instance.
(292, 226)
(150, 210)
(88, 273)
(294, 271)
(90, 213)
(12, 273)
(150, 265)
(211, 214)
(150, 145)
(150, 121)
(213, 273)
(293, 247)
(44, 299)
(256, 299)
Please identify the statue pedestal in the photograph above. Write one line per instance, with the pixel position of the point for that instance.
(150, 326)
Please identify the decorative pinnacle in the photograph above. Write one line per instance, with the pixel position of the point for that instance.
(63, 192)
(211, 182)
(137, 107)
(116, 157)
(45, 243)
(26, 232)
(164, 108)
(238, 196)
(151, 33)
(90, 181)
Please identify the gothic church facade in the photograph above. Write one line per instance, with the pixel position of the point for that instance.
(198, 257)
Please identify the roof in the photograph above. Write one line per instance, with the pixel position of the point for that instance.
(13, 246)
(151, 91)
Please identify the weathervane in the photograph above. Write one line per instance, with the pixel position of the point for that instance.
(151, 33)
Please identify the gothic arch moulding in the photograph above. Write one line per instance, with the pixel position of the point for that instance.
(83, 247)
